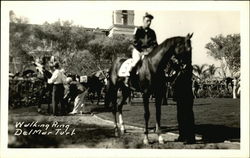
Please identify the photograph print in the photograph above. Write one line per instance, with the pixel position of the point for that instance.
(123, 78)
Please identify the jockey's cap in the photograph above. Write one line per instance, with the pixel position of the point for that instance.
(148, 16)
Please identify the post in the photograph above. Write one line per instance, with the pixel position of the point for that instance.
(234, 88)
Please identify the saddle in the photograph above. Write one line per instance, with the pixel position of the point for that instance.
(125, 68)
(126, 71)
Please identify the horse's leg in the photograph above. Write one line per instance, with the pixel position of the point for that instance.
(165, 97)
(107, 100)
(152, 96)
(49, 98)
(98, 96)
(113, 92)
(125, 95)
(158, 101)
(146, 117)
(39, 109)
(130, 98)
(90, 95)
(108, 95)
(93, 97)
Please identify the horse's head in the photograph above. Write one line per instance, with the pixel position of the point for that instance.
(183, 47)
(42, 73)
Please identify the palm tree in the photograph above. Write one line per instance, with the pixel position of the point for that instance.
(211, 70)
(200, 71)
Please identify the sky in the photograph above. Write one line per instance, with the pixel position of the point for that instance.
(166, 23)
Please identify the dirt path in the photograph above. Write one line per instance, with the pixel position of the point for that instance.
(169, 137)
(93, 132)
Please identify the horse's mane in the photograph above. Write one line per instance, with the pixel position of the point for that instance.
(164, 45)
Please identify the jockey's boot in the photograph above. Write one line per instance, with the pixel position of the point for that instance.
(126, 81)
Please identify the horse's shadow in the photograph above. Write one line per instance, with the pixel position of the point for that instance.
(101, 109)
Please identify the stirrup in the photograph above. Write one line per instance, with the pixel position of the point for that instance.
(126, 84)
(126, 81)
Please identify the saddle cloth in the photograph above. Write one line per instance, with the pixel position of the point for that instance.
(125, 68)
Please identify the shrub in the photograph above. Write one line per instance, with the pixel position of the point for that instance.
(25, 92)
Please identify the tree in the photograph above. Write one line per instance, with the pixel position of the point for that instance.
(20, 35)
(227, 50)
(116, 46)
(200, 71)
(96, 47)
(105, 48)
(15, 19)
(79, 50)
(211, 70)
(81, 63)
(68, 43)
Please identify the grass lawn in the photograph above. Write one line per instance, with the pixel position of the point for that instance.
(217, 111)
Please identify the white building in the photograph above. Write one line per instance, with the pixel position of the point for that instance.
(123, 23)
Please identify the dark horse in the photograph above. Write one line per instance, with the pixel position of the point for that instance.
(46, 91)
(149, 79)
(95, 85)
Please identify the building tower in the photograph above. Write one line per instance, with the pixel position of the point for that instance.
(123, 23)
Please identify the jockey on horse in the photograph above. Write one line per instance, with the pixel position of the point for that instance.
(144, 42)
(149, 77)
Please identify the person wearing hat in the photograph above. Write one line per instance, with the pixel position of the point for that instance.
(144, 37)
(143, 42)
(58, 79)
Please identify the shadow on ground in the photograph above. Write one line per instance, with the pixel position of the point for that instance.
(209, 133)
(217, 133)
(100, 109)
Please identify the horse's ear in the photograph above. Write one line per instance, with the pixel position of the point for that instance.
(189, 36)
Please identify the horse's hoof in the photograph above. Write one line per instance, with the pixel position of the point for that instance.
(116, 132)
(145, 141)
(39, 110)
(123, 132)
(161, 140)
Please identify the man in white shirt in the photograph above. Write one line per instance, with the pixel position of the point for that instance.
(58, 79)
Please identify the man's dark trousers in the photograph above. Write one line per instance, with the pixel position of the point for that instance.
(57, 97)
(185, 117)
(185, 99)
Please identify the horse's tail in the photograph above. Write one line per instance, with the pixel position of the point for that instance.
(111, 82)
(107, 99)
(110, 89)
